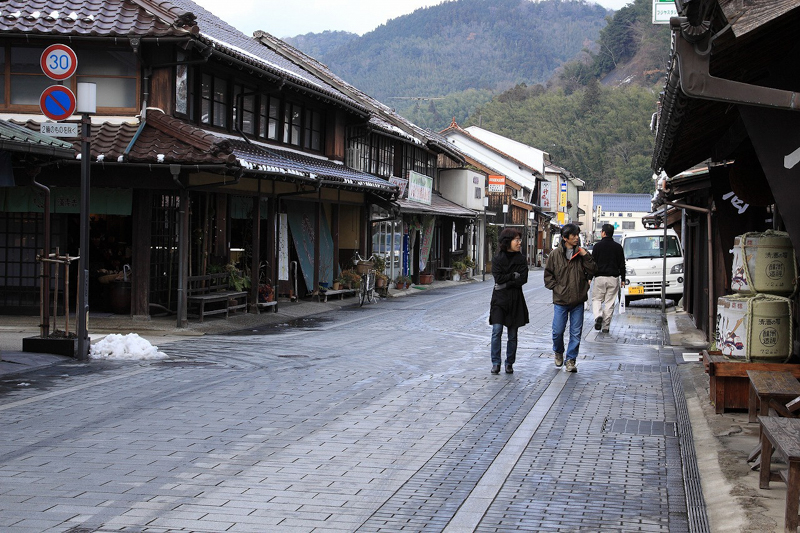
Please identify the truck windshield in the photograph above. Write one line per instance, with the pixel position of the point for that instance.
(650, 246)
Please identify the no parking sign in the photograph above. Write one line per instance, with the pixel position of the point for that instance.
(57, 102)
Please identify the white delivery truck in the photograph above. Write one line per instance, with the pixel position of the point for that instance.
(644, 262)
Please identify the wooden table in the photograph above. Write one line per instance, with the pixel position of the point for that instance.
(783, 435)
(766, 385)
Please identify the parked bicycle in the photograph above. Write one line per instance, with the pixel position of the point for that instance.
(365, 267)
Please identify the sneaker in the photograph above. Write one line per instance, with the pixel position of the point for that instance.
(570, 366)
(559, 359)
(598, 323)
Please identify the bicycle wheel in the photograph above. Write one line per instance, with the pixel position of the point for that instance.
(362, 294)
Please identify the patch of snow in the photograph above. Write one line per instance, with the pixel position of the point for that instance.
(101, 157)
(23, 384)
(160, 158)
(125, 347)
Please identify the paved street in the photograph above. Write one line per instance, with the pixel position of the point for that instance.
(381, 418)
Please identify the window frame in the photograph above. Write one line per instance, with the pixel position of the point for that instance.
(71, 83)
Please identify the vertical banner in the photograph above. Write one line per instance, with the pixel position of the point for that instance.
(405, 255)
(283, 248)
(427, 240)
(544, 197)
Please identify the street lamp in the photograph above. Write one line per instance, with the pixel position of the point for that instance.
(86, 105)
(505, 210)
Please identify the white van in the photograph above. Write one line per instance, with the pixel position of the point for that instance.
(644, 262)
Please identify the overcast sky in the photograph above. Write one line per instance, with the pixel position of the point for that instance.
(287, 18)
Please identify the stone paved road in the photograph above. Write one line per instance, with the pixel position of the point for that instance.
(381, 418)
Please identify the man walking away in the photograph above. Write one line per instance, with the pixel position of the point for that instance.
(610, 261)
(567, 274)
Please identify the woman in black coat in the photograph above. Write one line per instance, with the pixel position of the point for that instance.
(508, 308)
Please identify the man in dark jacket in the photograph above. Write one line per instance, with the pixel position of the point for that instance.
(610, 261)
(567, 274)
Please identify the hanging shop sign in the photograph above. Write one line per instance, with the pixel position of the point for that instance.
(419, 187)
(497, 183)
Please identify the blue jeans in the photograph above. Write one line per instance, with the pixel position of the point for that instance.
(511, 344)
(560, 315)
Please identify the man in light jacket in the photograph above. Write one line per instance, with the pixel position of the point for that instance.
(610, 261)
(567, 274)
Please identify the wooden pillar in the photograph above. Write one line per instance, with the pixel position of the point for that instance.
(335, 236)
(221, 226)
(271, 253)
(255, 260)
(142, 215)
(317, 238)
(183, 257)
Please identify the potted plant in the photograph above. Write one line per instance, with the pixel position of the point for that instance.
(265, 293)
(338, 283)
(381, 280)
(469, 264)
(238, 281)
(425, 279)
(458, 270)
(402, 282)
(352, 280)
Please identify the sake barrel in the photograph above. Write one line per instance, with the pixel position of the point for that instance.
(764, 263)
(755, 328)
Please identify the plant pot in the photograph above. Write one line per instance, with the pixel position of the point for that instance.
(380, 283)
(456, 276)
(337, 285)
(401, 286)
(426, 279)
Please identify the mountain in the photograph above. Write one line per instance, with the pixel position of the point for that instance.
(473, 48)
(567, 77)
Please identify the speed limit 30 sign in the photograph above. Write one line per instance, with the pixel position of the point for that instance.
(59, 62)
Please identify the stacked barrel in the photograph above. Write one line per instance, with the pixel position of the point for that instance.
(756, 323)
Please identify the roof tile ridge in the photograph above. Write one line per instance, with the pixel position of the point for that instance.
(190, 134)
(170, 14)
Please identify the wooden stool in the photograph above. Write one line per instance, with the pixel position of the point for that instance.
(782, 434)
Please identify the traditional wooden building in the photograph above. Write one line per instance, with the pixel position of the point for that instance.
(729, 103)
(208, 147)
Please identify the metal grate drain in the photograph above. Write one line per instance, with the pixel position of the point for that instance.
(640, 427)
(644, 368)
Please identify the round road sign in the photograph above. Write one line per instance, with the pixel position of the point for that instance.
(58, 61)
(57, 102)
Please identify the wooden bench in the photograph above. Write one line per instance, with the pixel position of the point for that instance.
(445, 272)
(323, 296)
(783, 436)
(273, 304)
(214, 289)
(729, 386)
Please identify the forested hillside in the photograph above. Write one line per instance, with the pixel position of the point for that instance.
(473, 48)
(564, 76)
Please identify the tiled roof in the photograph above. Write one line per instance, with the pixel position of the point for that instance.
(382, 117)
(257, 157)
(74, 17)
(439, 206)
(224, 37)
(639, 203)
(166, 140)
(15, 138)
